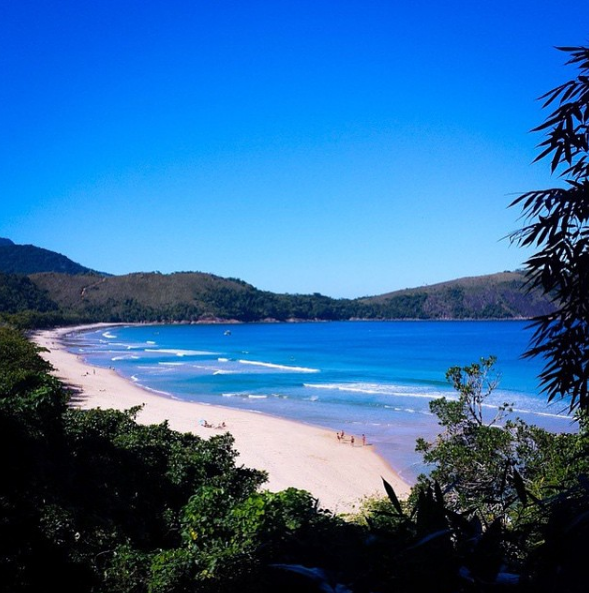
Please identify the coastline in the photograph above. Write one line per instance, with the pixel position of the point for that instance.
(340, 475)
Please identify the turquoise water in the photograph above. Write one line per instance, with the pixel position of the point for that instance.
(372, 378)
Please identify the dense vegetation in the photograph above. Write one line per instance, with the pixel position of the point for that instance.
(111, 505)
(19, 293)
(195, 296)
(558, 227)
(29, 259)
(496, 296)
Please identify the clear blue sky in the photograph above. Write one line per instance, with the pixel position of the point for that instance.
(343, 147)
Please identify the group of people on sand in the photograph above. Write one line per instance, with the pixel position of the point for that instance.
(341, 437)
(207, 424)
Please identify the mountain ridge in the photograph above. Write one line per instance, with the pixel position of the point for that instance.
(30, 259)
(85, 295)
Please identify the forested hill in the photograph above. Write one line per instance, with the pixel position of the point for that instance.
(29, 259)
(183, 296)
(494, 296)
(41, 287)
(195, 296)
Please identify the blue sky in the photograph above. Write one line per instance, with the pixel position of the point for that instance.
(343, 147)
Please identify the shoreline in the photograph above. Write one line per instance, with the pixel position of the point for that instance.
(339, 474)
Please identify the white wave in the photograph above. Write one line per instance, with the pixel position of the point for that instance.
(222, 372)
(178, 352)
(280, 367)
(379, 389)
(172, 364)
(223, 359)
(150, 342)
(203, 367)
(134, 378)
(407, 410)
(245, 395)
(108, 335)
(545, 414)
(124, 358)
(159, 392)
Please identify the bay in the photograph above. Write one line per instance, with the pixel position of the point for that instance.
(365, 378)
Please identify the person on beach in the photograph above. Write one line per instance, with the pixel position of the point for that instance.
(352, 440)
(363, 440)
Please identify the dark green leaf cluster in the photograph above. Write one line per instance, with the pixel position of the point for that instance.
(558, 227)
(95, 499)
(19, 293)
(29, 259)
(113, 505)
(499, 485)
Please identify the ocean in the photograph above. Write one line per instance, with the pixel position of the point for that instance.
(363, 377)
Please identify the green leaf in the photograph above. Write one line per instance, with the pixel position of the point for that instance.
(392, 496)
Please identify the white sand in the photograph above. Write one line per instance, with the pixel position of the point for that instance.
(296, 455)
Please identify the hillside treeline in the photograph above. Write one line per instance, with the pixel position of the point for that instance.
(29, 259)
(44, 299)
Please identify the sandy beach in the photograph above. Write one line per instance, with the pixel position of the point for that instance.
(338, 473)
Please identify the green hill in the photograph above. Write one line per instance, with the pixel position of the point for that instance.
(195, 296)
(44, 287)
(182, 296)
(29, 259)
(494, 296)
(19, 293)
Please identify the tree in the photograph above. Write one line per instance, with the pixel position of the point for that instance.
(497, 489)
(557, 224)
(483, 457)
(474, 458)
(110, 504)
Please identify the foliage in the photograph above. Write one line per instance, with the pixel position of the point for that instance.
(31, 319)
(558, 226)
(495, 296)
(119, 506)
(483, 462)
(29, 259)
(193, 296)
(502, 482)
(123, 507)
(19, 293)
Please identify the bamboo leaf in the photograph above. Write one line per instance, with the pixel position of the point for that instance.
(392, 497)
